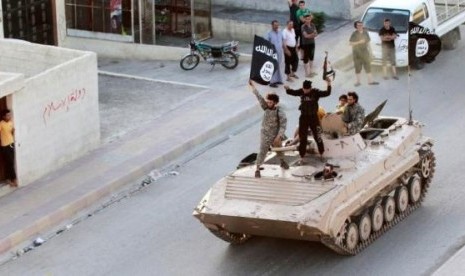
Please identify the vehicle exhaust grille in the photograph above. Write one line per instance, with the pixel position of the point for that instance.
(277, 191)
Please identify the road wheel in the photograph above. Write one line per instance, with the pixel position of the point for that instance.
(389, 208)
(377, 217)
(401, 197)
(426, 165)
(414, 189)
(189, 62)
(364, 227)
(352, 237)
(231, 60)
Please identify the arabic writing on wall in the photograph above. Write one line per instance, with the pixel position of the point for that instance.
(75, 97)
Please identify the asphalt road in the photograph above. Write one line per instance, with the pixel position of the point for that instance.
(153, 233)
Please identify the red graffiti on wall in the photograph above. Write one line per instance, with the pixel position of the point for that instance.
(64, 104)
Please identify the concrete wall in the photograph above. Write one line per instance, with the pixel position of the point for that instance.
(343, 9)
(228, 29)
(56, 111)
(106, 48)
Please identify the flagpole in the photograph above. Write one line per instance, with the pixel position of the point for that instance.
(421, 52)
(408, 77)
(410, 121)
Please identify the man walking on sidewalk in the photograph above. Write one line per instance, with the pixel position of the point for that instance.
(273, 127)
(291, 60)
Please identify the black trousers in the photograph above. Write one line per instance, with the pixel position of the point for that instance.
(8, 153)
(291, 62)
(314, 124)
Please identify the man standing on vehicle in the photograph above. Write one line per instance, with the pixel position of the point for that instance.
(273, 127)
(309, 114)
(388, 34)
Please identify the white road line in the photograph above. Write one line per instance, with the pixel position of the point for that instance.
(106, 73)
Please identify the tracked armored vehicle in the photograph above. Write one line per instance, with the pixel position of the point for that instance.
(367, 183)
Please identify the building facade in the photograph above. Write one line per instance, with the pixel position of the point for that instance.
(108, 27)
(142, 29)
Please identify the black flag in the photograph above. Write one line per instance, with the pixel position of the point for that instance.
(423, 44)
(264, 61)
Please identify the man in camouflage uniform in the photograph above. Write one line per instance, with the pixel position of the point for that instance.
(273, 127)
(353, 115)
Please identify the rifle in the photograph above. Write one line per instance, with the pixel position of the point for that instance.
(327, 69)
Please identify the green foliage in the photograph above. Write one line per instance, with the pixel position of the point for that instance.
(319, 21)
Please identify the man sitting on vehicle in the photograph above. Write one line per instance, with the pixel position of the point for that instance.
(353, 115)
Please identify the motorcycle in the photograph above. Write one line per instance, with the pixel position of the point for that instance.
(225, 54)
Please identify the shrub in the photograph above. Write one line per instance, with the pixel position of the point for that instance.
(319, 21)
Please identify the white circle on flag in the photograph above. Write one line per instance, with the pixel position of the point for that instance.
(266, 72)
(422, 47)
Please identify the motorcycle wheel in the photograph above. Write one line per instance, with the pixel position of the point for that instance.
(232, 60)
(189, 62)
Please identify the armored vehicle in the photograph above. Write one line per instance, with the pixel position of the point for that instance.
(367, 183)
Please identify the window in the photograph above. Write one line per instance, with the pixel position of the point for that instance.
(374, 19)
(104, 16)
(163, 22)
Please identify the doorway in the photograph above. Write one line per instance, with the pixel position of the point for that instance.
(3, 105)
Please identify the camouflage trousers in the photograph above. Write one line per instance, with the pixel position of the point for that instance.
(266, 141)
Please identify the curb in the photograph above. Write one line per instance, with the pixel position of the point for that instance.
(454, 265)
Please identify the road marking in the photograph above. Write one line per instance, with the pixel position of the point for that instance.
(106, 73)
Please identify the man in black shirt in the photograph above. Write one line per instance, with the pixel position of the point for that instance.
(388, 34)
(309, 114)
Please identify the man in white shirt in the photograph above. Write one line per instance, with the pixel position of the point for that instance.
(291, 59)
